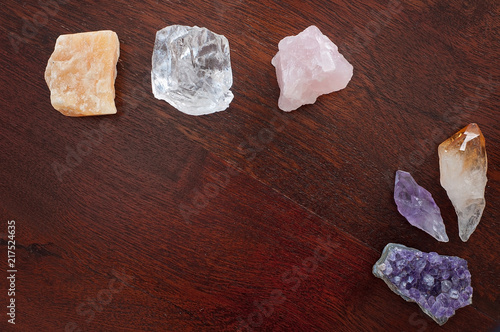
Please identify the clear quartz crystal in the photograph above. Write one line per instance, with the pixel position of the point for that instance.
(463, 164)
(191, 69)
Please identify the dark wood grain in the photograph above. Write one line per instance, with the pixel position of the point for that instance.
(249, 219)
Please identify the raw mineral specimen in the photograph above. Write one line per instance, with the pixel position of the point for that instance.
(307, 66)
(418, 207)
(438, 284)
(463, 165)
(192, 69)
(81, 73)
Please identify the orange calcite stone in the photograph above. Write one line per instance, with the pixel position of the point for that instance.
(81, 73)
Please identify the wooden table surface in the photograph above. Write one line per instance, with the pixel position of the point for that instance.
(252, 218)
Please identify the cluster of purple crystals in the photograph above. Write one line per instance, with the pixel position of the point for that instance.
(438, 284)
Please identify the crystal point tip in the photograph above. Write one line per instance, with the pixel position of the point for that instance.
(463, 165)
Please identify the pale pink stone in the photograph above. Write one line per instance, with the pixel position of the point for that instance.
(307, 66)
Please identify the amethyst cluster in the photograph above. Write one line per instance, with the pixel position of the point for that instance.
(438, 284)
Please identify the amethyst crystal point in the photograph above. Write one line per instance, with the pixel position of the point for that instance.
(438, 284)
(417, 206)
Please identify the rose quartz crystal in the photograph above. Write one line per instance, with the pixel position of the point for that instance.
(307, 66)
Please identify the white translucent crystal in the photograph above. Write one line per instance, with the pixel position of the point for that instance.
(192, 69)
(307, 66)
(463, 165)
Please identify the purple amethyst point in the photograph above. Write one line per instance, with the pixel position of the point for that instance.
(438, 284)
(418, 207)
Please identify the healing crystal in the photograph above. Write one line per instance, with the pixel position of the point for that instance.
(192, 69)
(438, 284)
(307, 66)
(81, 73)
(463, 165)
(418, 207)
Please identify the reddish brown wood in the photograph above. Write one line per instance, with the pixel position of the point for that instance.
(278, 184)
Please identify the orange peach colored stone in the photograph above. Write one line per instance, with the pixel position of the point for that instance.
(81, 73)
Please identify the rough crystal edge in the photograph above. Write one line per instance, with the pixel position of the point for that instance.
(380, 275)
(228, 95)
(441, 238)
(464, 234)
(276, 62)
(63, 110)
(199, 110)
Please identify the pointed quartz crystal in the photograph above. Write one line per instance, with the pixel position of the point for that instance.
(418, 207)
(463, 164)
